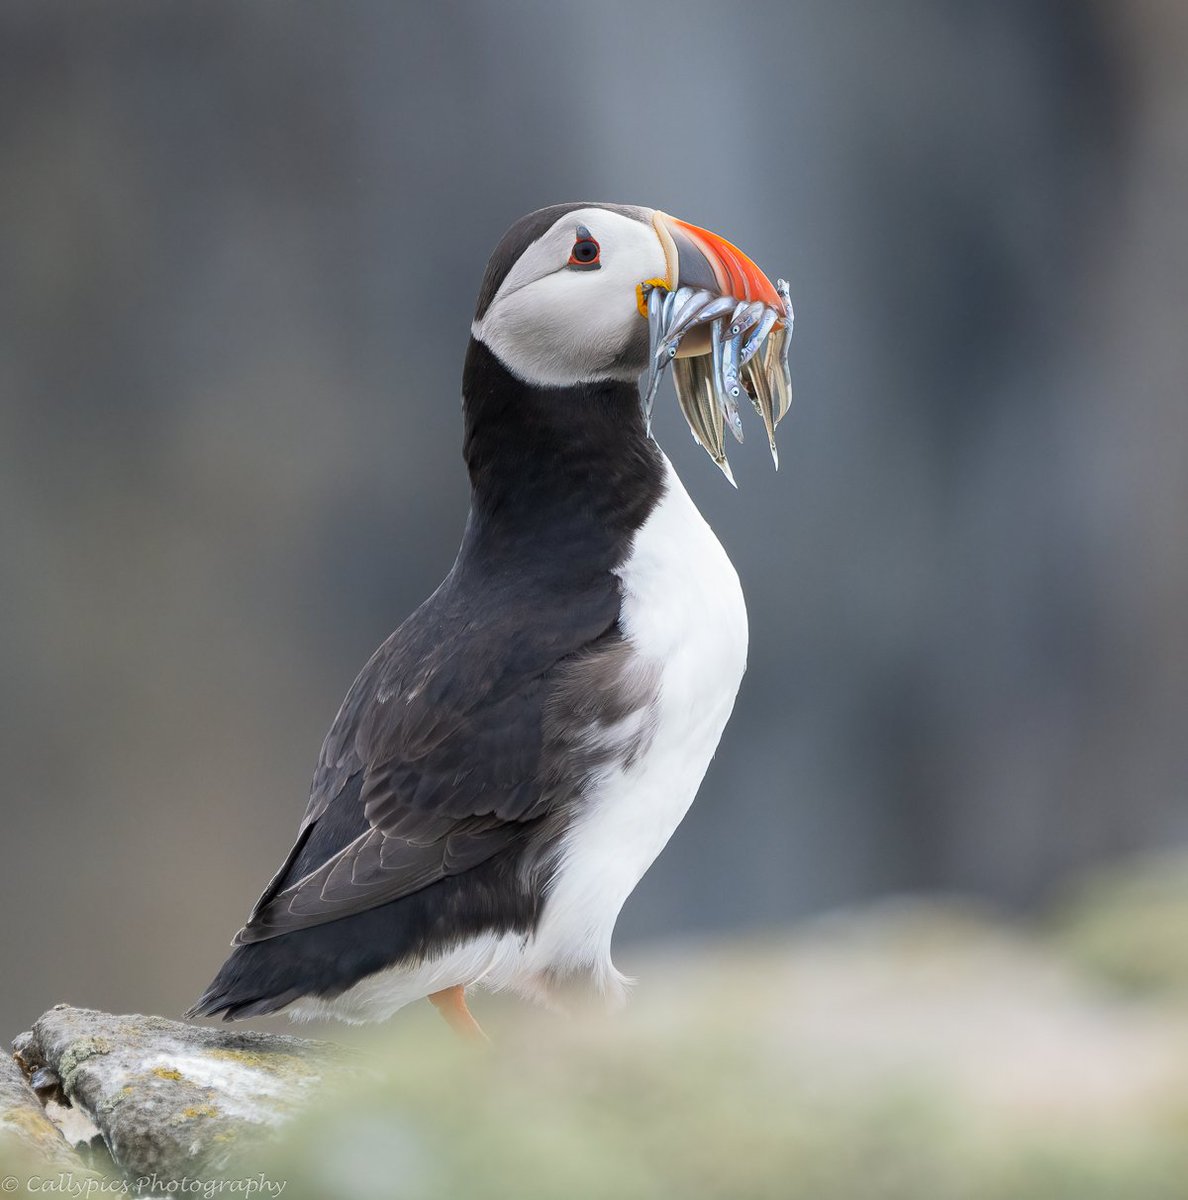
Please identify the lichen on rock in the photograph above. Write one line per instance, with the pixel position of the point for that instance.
(26, 1132)
(170, 1100)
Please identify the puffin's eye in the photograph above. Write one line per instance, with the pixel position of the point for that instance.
(585, 253)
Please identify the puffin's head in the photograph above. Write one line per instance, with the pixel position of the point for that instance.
(581, 293)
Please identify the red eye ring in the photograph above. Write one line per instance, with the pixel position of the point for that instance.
(586, 253)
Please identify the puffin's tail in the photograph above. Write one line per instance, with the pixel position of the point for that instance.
(243, 988)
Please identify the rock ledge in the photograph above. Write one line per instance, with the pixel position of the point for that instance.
(169, 1099)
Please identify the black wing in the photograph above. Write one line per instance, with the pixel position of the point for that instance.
(469, 726)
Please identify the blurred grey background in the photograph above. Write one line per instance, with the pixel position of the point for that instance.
(239, 249)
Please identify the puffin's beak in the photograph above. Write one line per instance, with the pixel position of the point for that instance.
(724, 327)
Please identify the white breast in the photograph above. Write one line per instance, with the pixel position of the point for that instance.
(683, 611)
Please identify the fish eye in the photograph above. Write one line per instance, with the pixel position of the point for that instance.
(585, 253)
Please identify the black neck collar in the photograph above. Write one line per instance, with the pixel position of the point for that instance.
(563, 475)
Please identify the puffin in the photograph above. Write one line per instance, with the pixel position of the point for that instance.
(517, 753)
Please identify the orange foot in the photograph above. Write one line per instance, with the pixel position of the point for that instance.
(451, 1003)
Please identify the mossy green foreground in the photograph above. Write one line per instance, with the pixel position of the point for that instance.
(914, 1052)
(909, 1051)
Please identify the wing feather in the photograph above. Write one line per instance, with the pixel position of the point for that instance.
(459, 737)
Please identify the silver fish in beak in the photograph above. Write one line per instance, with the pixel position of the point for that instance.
(722, 326)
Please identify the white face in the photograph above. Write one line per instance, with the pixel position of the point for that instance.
(556, 324)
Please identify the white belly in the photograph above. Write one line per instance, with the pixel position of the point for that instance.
(682, 609)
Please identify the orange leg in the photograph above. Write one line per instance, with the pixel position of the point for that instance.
(451, 1003)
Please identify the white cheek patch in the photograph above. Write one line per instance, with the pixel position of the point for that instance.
(556, 327)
